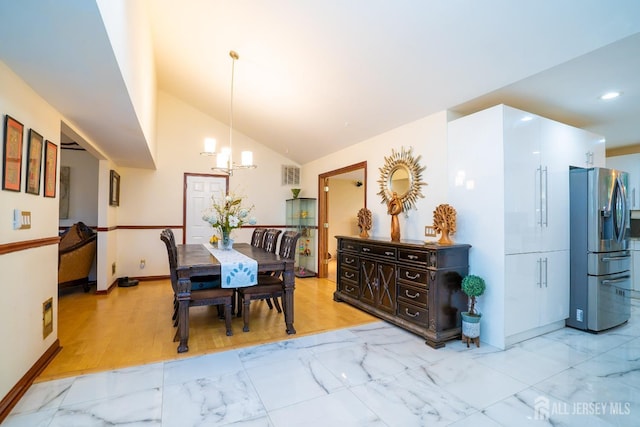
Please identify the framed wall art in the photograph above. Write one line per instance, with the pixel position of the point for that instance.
(12, 159)
(114, 189)
(34, 162)
(50, 168)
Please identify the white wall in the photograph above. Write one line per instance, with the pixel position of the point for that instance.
(428, 137)
(155, 197)
(345, 200)
(129, 30)
(28, 277)
(83, 187)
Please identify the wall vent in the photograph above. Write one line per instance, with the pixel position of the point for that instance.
(290, 175)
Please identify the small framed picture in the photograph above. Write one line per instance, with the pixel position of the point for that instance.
(50, 169)
(114, 189)
(34, 162)
(12, 160)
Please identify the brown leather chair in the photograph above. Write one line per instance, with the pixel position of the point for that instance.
(76, 255)
(214, 296)
(269, 285)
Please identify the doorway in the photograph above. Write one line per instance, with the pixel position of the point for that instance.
(347, 188)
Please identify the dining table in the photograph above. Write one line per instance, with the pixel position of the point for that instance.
(196, 260)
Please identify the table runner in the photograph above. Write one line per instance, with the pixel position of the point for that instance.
(236, 270)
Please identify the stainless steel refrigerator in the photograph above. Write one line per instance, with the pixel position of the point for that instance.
(599, 249)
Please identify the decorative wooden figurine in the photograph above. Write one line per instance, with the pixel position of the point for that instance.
(444, 221)
(395, 209)
(364, 222)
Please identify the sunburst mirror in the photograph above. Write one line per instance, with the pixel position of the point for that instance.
(401, 174)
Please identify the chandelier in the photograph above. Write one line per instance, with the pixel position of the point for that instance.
(224, 158)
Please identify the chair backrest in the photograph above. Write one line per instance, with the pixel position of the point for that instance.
(258, 237)
(172, 252)
(288, 244)
(270, 241)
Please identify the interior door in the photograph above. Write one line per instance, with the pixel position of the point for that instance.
(198, 192)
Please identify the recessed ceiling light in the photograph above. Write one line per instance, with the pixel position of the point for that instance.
(610, 95)
(526, 119)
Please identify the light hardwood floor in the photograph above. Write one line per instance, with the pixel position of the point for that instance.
(132, 326)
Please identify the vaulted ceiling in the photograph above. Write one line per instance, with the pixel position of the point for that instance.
(316, 76)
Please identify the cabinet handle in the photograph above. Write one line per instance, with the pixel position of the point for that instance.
(546, 197)
(349, 289)
(349, 275)
(412, 257)
(414, 296)
(539, 272)
(539, 176)
(408, 313)
(389, 253)
(546, 272)
(406, 275)
(366, 250)
(349, 260)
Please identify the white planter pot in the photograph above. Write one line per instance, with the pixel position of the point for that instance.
(470, 325)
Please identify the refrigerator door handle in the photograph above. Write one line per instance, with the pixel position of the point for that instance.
(618, 280)
(615, 258)
(546, 272)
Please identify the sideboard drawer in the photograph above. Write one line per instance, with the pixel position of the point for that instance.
(413, 313)
(419, 257)
(349, 274)
(383, 251)
(412, 275)
(350, 288)
(413, 294)
(351, 261)
(347, 245)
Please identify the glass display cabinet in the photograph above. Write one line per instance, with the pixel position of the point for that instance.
(301, 216)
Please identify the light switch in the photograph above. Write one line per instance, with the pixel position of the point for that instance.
(21, 219)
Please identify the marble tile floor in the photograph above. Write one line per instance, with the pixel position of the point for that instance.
(371, 375)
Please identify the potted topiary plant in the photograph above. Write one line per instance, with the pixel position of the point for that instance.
(473, 286)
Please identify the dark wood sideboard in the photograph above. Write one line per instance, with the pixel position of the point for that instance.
(409, 283)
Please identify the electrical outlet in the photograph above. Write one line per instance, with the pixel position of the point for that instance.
(142, 263)
(579, 315)
(113, 268)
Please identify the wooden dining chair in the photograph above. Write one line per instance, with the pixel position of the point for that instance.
(270, 241)
(258, 237)
(270, 286)
(213, 296)
(269, 244)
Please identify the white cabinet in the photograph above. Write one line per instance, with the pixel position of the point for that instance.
(538, 153)
(509, 184)
(629, 163)
(540, 295)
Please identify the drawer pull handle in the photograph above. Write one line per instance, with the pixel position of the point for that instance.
(406, 274)
(389, 253)
(349, 289)
(349, 260)
(408, 313)
(412, 256)
(349, 275)
(366, 250)
(414, 296)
